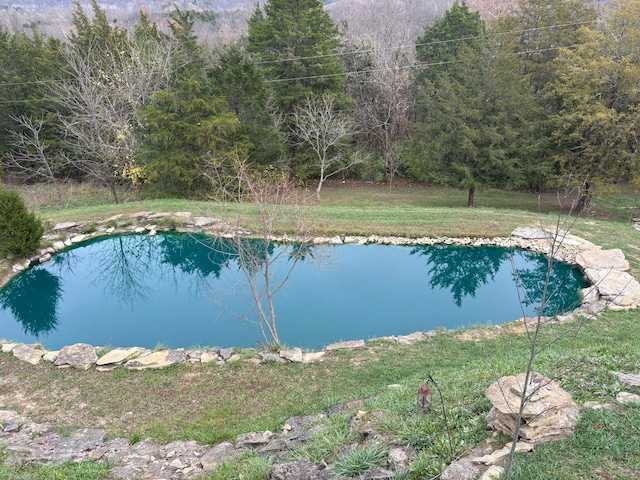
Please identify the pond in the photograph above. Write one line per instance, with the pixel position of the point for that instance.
(183, 290)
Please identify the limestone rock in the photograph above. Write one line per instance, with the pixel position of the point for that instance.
(254, 439)
(80, 355)
(311, 357)
(293, 355)
(612, 259)
(548, 415)
(204, 221)
(377, 473)
(494, 472)
(271, 357)
(401, 457)
(226, 353)
(64, 225)
(630, 379)
(51, 355)
(18, 268)
(530, 233)
(218, 454)
(159, 359)
(302, 470)
(27, 353)
(58, 245)
(412, 338)
(626, 397)
(345, 345)
(463, 469)
(618, 287)
(497, 456)
(209, 355)
(8, 347)
(119, 355)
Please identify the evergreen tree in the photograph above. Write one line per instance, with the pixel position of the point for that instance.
(237, 78)
(477, 124)
(597, 90)
(296, 43)
(439, 45)
(541, 28)
(188, 132)
(28, 64)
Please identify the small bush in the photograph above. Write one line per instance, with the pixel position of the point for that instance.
(20, 230)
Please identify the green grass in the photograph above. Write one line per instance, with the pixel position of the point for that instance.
(209, 403)
(87, 470)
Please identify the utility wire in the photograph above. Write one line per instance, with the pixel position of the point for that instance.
(358, 51)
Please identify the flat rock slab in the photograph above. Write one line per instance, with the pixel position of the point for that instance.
(345, 345)
(64, 225)
(218, 454)
(618, 287)
(119, 355)
(549, 412)
(160, 359)
(302, 470)
(311, 357)
(7, 347)
(613, 259)
(293, 355)
(80, 355)
(27, 353)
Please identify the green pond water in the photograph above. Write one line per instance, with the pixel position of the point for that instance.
(184, 290)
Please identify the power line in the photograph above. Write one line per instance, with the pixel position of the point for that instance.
(360, 51)
(426, 44)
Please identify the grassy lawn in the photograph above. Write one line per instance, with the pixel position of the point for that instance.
(210, 403)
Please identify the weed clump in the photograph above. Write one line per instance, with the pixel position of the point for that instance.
(20, 230)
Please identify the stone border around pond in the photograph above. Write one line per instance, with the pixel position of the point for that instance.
(606, 270)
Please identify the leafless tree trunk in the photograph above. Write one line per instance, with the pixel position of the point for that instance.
(99, 98)
(31, 157)
(260, 207)
(534, 330)
(380, 78)
(319, 127)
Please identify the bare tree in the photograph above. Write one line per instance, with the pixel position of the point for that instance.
(263, 206)
(318, 126)
(533, 329)
(99, 97)
(32, 157)
(382, 35)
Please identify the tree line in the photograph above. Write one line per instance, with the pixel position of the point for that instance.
(543, 96)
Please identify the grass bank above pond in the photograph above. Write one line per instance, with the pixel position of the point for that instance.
(209, 403)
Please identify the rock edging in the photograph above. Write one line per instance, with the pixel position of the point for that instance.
(611, 285)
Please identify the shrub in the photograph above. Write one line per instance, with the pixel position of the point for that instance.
(20, 230)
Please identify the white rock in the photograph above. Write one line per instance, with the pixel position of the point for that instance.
(110, 229)
(311, 357)
(603, 259)
(293, 355)
(58, 245)
(27, 353)
(494, 472)
(17, 268)
(78, 238)
(45, 258)
(51, 355)
(626, 397)
(64, 225)
(7, 347)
